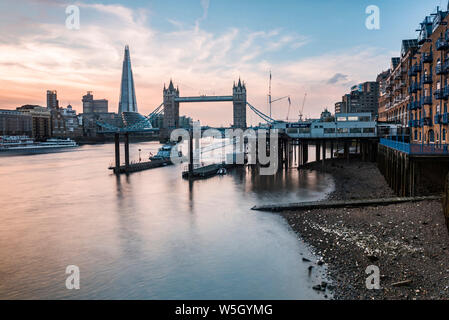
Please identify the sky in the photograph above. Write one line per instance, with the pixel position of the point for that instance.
(319, 48)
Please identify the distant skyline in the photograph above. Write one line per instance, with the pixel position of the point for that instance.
(320, 47)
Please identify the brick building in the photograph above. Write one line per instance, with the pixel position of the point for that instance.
(15, 123)
(41, 121)
(429, 82)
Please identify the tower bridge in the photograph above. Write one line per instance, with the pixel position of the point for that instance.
(172, 100)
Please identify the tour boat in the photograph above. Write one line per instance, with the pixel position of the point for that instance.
(10, 145)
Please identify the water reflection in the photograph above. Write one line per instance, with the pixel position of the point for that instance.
(150, 235)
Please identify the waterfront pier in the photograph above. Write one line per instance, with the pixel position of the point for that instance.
(413, 169)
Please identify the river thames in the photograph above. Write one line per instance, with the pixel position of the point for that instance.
(149, 235)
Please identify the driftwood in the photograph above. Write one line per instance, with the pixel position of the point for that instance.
(401, 283)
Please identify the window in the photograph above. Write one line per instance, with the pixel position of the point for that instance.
(368, 130)
(304, 130)
(431, 136)
(329, 130)
(356, 130)
(444, 135)
(416, 134)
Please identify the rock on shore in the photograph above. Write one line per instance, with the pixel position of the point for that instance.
(408, 242)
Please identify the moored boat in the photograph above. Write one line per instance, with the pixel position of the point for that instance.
(12, 145)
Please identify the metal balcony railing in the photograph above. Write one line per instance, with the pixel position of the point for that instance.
(427, 57)
(441, 68)
(445, 118)
(439, 94)
(442, 44)
(427, 100)
(437, 118)
(427, 79)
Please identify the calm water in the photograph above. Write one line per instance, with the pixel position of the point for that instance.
(150, 235)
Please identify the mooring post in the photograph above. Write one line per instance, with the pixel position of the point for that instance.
(191, 153)
(346, 150)
(126, 151)
(117, 153)
(305, 153)
(324, 152)
(332, 149)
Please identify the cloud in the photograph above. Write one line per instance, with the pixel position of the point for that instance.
(337, 78)
(205, 5)
(45, 55)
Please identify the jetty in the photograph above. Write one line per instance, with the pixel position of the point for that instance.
(140, 166)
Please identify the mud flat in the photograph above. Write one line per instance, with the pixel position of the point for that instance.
(408, 241)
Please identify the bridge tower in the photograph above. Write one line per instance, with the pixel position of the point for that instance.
(171, 109)
(239, 105)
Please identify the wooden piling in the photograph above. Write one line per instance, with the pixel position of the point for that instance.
(117, 153)
(126, 151)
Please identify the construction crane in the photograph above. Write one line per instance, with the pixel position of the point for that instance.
(301, 112)
(271, 101)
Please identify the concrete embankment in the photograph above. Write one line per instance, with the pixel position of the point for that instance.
(340, 204)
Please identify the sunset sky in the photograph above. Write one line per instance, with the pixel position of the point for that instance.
(319, 47)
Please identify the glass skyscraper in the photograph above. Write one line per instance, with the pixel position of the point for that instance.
(127, 93)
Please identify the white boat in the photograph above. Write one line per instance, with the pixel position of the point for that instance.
(164, 153)
(10, 145)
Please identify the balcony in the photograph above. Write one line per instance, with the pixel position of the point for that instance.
(445, 118)
(427, 57)
(442, 44)
(437, 118)
(418, 105)
(413, 123)
(441, 68)
(416, 148)
(427, 79)
(414, 87)
(413, 105)
(439, 94)
(427, 100)
(417, 67)
(427, 122)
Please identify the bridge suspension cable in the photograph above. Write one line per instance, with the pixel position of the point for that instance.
(143, 124)
(261, 114)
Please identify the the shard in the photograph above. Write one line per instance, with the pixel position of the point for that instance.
(127, 93)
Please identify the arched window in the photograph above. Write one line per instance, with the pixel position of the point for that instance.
(444, 135)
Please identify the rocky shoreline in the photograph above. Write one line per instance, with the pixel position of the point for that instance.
(409, 242)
